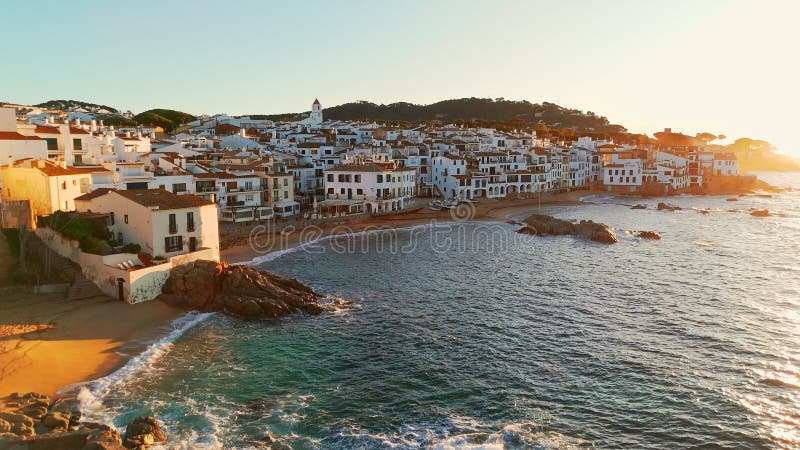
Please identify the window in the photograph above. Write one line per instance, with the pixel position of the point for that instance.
(285, 194)
(173, 244)
(358, 178)
(330, 177)
(77, 144)
(330, 190)
(173, 224)
(52, 143)
(285, 182)
(178, 187)
(189, 221)
(360, 191)
(112, 218)
(380, 178)
(78, 160)
(126, 218)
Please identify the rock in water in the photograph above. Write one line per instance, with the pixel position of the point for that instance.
(665, 207)
(143, 431)
(544, 224)
(241, 290)
(760, 213)
(648, 235)
(640, 206)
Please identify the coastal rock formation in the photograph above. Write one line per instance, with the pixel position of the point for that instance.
(30, 421)
(241, 290)
(648, 235)
(548, 225)
(639, 206)
(143, 431)
(760, 213)
(665, 207)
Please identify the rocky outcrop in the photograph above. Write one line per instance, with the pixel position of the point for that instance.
(548, 225)
(639, 206)
(31, 422)
(648, 235)
(760, 213)
(143, 431)
(240, 290)
(665, 207)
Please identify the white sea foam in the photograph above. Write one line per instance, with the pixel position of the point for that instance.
(92, 394)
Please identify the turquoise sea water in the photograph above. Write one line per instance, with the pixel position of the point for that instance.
(472, 336)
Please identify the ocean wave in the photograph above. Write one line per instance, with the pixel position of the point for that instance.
(271, 256)
(514, 436)
(92, 394)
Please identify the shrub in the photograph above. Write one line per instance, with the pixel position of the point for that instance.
(95, 246)
(131, 248)
(77, 228)
(12, 239)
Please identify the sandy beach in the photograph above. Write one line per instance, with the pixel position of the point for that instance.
(48, 342)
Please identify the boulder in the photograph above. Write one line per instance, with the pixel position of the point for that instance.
(240, 290)
(665, 207)
(760, 213)
(547, 225)
(143, 431)
(639, 206)
(732, 199)
(5, 426)
(20, 423)
(596, 232)
(648, 235)
(57, 420)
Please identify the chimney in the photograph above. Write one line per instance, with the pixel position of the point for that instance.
(10, 161)
(77, 122)
(101, 123)
(128, 133)
(68, 149)
(94, 126)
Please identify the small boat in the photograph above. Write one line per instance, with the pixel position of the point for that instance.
(438, 206)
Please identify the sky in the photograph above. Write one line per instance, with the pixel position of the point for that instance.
(725, 67)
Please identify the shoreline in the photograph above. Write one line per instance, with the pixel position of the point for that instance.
(485, 210)
(50, 345)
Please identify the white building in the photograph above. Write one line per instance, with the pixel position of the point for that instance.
(378, 187)
(162, 223)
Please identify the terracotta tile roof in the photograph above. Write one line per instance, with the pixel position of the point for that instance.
(12, 136)
(159, 198)
(46, 130)
(76, 130)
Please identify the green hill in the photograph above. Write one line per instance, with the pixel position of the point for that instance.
(472, 109)
(66, 104)
(166, 118)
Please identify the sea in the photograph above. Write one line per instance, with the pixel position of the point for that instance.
(468, 335)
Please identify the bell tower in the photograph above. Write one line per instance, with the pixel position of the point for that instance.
(316, 112)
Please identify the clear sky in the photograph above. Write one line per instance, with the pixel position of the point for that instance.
(729, 67)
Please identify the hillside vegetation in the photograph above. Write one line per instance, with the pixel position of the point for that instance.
(168, 119)
(67, 104)
(474, 110)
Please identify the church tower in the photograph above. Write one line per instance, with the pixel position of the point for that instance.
(316, 113)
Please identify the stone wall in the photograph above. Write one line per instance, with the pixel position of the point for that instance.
(139, 285)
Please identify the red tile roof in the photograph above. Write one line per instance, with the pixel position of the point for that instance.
(12, 136)
(159, 198)
(46, 130)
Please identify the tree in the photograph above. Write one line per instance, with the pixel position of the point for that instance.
(705, 137)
